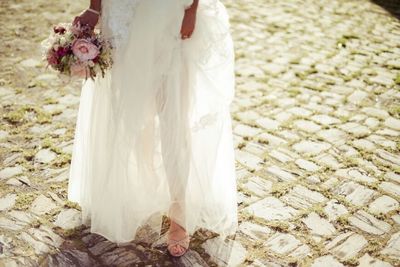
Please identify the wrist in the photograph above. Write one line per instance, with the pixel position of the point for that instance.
(192, 9)
(94, 11)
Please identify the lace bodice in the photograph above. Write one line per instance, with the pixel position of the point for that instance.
(116, 17)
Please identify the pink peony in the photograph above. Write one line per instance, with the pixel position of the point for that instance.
(79, 70)
(84, 50)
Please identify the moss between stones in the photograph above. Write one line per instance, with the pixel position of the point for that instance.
(47, 142)
(29, 154)
(351, 262)
(293, 92)
(394, 110)
(241, 145)
(281, 188)
(50, 101)
(397, 79)
(396, 169)
(18, 116)
(24, 200)
(73, 205)
(280, 226)
(69, 233)
(350, 162)
(379, 90)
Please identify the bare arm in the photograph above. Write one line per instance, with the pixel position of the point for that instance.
(189, 20)
(194, 5)
(95, 4)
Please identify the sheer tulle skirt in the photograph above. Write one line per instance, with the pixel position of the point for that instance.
(154, 136)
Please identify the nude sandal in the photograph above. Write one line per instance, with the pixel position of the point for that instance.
(184, 243)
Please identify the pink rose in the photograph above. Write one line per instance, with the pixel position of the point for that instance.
(84, 50)
(79, 70)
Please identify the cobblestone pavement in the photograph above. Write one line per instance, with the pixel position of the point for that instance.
(316, 124)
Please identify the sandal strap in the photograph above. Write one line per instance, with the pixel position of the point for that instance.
(178, 240)
(184, 242)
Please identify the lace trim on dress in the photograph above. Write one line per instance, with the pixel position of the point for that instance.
(116, 28)
(205, 121)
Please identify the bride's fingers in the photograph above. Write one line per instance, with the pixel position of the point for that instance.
(76, 20)
(186, 35)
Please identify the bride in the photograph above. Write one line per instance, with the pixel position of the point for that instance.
(154, 136)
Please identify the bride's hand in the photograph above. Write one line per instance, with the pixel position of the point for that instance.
(188, 23)
(87, 18)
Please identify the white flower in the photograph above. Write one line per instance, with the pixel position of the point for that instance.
(63, 41)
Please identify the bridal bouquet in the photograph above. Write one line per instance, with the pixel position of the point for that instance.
(77, 51)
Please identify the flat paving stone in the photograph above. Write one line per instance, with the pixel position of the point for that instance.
(310, 147)
(393, 123)
(301, 197)
(271, 208)
(307, 126)
(369, 223)
(318, 226)
(357, 194)
(392, 248)
(326, 261)
(334, 209)
(9, 172)
(280, 174)
(45, 156)
(42, 205)
(7, 202)
(356, 129)
(225, 252)
(68, 219)
(258, 186)
(255, 231)
(355, 175)
(284, 244)
(333, 136)
(347, 245)
(367, 260)
(249, 160)
(383, 204)
(8, 224)
(325, 119)
(268, 124)
(391, 188)
(307, 165)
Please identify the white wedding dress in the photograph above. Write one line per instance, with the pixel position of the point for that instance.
(154, 136)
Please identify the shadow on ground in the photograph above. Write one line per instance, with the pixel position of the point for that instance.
(392, 6)
(89, 249)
